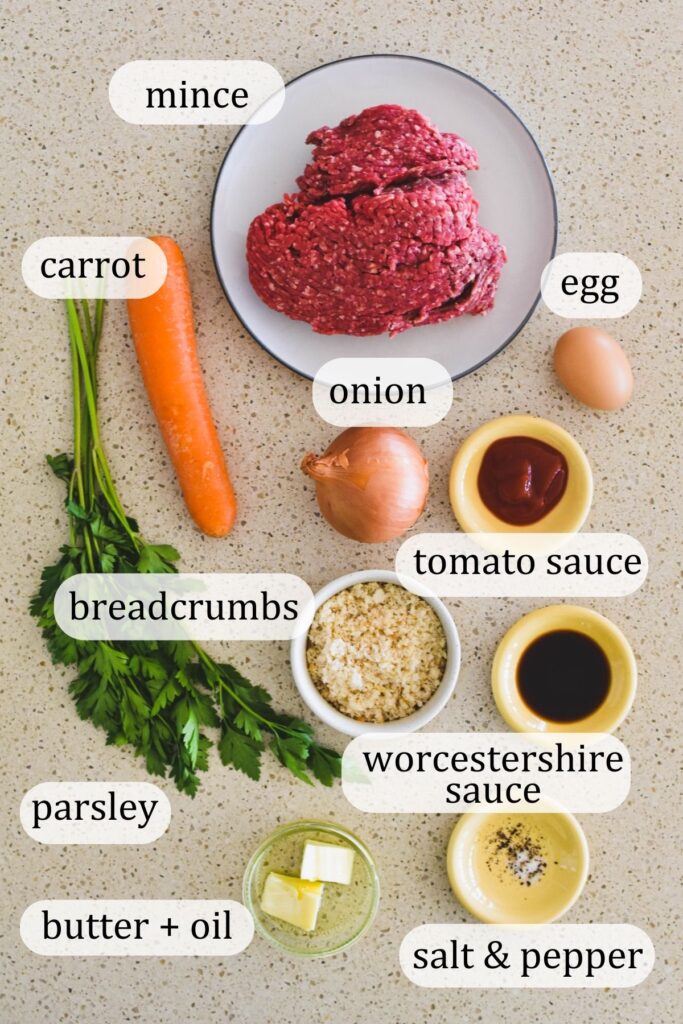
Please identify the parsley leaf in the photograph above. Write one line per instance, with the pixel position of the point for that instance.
(242, 752)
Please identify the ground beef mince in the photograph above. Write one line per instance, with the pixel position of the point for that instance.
(383, 234)
(382, 146)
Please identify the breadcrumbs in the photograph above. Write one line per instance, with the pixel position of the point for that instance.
(376, 651)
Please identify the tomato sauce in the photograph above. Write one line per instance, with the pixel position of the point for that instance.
(521, 479)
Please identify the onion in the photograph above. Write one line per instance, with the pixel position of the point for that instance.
(371, 483)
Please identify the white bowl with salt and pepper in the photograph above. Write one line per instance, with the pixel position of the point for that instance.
(346, 724)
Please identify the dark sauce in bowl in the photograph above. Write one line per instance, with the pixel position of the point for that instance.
(563, 676)
(521, 479)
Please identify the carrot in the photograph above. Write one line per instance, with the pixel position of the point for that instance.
(164, 338)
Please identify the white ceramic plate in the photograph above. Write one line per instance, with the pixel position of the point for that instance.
(513, 186)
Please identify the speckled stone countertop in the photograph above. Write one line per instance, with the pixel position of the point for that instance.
(594, 82)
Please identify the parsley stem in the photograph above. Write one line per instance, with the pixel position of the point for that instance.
(274, 727)
(216, 675)
(97, 455)
(76, 417)
(99, 319)
(79, 426)
(91, 346)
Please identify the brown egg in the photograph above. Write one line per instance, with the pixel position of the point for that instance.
(593, 367)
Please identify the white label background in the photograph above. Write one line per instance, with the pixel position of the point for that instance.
(77, 247)
(118, 832)
(591, 264)
(129, 84)
(431, 375)
(414, 792)
(536, 584)
(182, 587)
(155, 941)
(514, 939)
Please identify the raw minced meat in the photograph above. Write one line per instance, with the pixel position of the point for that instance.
(383, 234)
(382, 146)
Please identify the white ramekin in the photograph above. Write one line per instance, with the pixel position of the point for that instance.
(350, 726)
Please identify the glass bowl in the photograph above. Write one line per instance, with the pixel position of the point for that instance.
(347, 911)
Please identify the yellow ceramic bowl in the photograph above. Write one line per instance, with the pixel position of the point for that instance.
(480, 874)
(622, 689)
(472, 514)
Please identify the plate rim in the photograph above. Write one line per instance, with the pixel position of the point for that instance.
(424, 60)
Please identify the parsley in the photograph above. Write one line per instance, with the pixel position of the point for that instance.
(158, 697)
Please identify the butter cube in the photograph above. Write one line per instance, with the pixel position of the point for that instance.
(294, 900)
(323, 862)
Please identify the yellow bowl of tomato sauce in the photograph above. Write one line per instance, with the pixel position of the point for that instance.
(469, 507)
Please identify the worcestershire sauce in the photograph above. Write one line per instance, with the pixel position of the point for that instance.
(563, 676)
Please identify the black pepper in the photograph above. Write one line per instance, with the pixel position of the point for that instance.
(514, 849)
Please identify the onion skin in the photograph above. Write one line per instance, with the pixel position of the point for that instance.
(371, 483)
